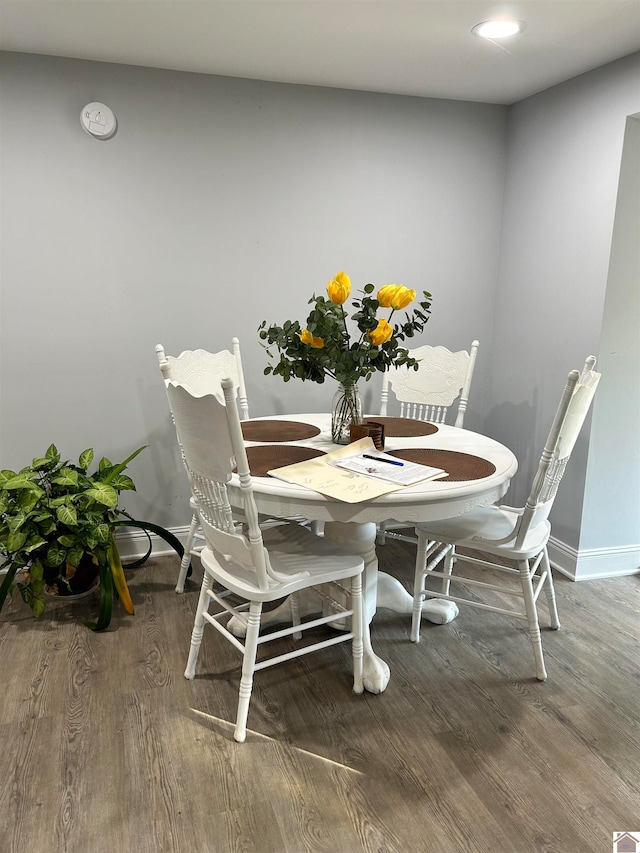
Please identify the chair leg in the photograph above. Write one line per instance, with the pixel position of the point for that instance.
(419, 586)
(550, 592)
(356, 630)
(186, 559)
(198, 626)
(294, 601)
(532, 619)
(248, 668)
(449, 560)
(380, 535)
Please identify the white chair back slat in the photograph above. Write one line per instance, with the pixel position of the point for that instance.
(567, 423)
(428, 392)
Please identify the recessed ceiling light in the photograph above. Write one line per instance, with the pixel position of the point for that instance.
(498, 29)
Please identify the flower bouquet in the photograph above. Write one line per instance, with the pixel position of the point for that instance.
(327, 347)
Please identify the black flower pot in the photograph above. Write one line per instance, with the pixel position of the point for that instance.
(83, 580)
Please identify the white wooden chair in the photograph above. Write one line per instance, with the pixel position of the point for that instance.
(261, 565)
(203, 372)
(516, 538)
(428, 394)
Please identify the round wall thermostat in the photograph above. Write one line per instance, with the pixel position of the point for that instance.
(98, 120)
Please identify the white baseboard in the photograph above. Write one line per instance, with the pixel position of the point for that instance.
(593, 563)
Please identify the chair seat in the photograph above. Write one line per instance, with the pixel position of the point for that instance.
(293, 551)
(490, 529)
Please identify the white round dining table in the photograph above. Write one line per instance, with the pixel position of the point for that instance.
(353, 525)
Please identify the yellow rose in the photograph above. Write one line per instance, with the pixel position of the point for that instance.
(395, 296)
(381, 333)
(339, 288)
(385, 295)
(402, 297)
(307, 338)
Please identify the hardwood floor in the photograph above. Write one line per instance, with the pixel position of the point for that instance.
(106, 747)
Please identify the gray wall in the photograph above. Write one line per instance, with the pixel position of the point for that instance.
(220, 202)
(565, 151)
(612, 493)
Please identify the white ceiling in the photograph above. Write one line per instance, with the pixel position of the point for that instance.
(410, 47)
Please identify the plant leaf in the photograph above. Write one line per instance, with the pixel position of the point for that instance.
(14, 541)
(103, 494)
(106, 599)
(168, 537)
(22, 481)
(86, 458)
(66, 477)
(67, 515)
(7, 584)
(119, 579)
(117, 469)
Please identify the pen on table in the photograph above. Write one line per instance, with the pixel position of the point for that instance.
(380, 459)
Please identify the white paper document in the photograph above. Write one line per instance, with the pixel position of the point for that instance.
(373, 463)
(334, 474)
(339, 483)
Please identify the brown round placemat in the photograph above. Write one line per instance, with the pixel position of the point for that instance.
(264, 457)
(459, 466)
(277, 430)
(404, 427)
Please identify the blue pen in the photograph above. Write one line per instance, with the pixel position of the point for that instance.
(380, 459)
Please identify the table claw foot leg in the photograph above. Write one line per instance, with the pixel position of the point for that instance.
(439, 611)
(375, 674)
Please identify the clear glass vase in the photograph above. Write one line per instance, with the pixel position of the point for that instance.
(346, 409)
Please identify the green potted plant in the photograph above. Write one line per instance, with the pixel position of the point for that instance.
(57, 525)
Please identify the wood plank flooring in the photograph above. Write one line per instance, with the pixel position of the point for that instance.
(106, 747)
